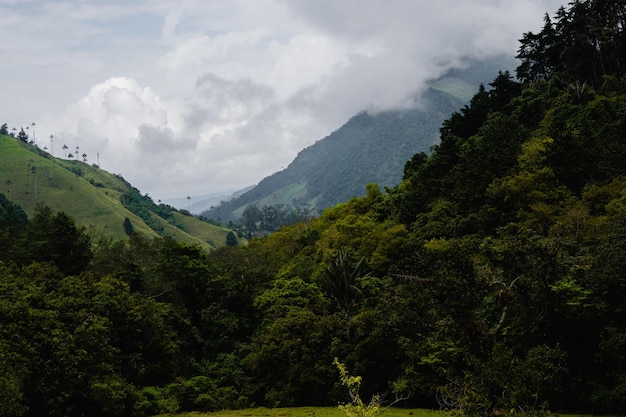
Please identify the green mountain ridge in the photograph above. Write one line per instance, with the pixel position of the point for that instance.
(371, 147)
(95, 198)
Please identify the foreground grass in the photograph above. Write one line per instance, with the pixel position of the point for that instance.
(322, 412)
(308, 412)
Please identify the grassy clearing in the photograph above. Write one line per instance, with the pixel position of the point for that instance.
(456, 87)
(285, 196)
(209, 233)
(309, 412)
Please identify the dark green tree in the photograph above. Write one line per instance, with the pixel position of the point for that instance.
(128, 227)
(13, 223)
(584, 43)
(339, 281)
(251, 216)
(231, 239)
(22, 135)
(54, 237)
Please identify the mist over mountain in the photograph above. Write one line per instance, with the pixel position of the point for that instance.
(198, 204)
(371, 147)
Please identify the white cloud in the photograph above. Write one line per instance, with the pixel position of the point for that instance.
(110, 121)
(191, 97)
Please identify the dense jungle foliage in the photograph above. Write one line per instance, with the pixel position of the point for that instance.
(491, 280)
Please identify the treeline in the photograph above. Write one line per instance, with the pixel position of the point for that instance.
(581, 44)
(21, 135)
(271, 218)
(147, 210)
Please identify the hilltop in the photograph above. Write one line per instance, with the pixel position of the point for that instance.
(96, 199)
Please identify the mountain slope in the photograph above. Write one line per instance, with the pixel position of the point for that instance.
(369, 148)
(95, 198)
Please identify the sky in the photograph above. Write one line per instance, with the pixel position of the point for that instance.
(194, 97)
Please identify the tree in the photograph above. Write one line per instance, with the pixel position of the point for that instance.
(22, 136)
(539, 53)
(13, 222)
(251, 216)
(339, 281)
(128, 227)
(356, 407)
(54, 237)
(4, 129)
(505, 383)
(231, 239)
(584, 43)
(64, 149)
(272, 217)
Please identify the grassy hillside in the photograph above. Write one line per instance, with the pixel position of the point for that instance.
(94, 197)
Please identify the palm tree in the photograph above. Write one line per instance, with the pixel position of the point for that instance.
(84, 157)
(65, 150)
(32, 141)
(340, 280)
(52, 145)
(33, 125)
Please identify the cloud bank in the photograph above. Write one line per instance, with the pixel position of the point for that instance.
(193, 97)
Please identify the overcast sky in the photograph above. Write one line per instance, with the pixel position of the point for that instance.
(191, 97)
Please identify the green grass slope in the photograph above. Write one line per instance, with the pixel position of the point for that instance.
(93, 197)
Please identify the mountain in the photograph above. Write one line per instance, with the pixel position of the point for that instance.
(371, 147)
(96, 199)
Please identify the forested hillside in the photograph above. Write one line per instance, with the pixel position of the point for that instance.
(491, 280)
(371, 147)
